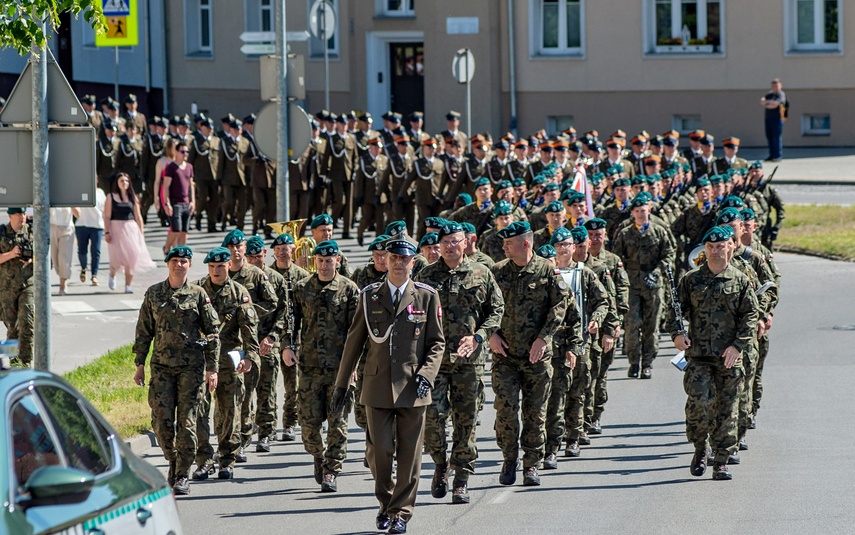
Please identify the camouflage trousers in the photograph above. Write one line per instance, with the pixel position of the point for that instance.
(248, 404)
(456, 391)
(174, 395)
(757, 385)
(314, 394)
(598, 393)
(289, 405)
(18, 312)
(514, 377)
(574, 407)
(228, 395)
(746, 402)
(712, 405)
(642, 325)
(265, 392)
(562, 375)
(359, 408)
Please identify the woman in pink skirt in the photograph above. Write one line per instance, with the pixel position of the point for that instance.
(124, 232)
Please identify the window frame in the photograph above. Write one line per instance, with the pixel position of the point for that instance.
(194, 12)
(316, 49)
(535, 10)
(791, 30)
(677, 124)
(652, 48)
(555, 124)
(12, 399)
(266, 5)
(807, 131)
(381, 9)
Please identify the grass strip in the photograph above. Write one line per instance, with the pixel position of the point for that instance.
(821, 229)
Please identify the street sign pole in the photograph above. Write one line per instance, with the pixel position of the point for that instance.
(326, 38)
(468, 99)
(41, 211)
(116, 76)
(283, 189)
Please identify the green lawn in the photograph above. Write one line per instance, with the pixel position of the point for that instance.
(822, 229)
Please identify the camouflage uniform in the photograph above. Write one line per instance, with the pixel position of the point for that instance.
(721, 311)
(472, 305)
(238, 331)
(264, 301)
(535, 304)
(568, 338)
(176, 320)
(363, 276)
(272, 326)
(642, 254)
(16, 293)
(482, 258)
(491, 244)
(323, 313)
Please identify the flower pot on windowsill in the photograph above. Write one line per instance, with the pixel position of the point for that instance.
(684, 49)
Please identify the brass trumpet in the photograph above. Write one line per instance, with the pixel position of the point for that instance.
(305, 245)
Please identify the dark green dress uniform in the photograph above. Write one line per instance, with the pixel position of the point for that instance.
(232, 176)
(453, 171)
(152, 150)
(366, 194)
(238, 333)
(105, 159)
(391, 180)
(422, 187)
(323, 312)
(204, 154)
(472, 305)
(127, 159)
(182, 324)
(16, 291)
(338, 163)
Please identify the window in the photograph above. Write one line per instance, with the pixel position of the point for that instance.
(555, 124)
(396, 8)
(559, 27)
(814, 25)
(685, 26)
(266, 15)
(686, 123)
(84, 448)
(32, 441)
(198, 28)
(316, 46)
(818, 124)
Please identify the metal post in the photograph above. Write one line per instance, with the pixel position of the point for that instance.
(512, 65)
(116, 80)
(468, 96)
(326, 39)
(42, 353)
(283, 189)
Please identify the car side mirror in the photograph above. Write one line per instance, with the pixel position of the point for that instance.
(56, 485)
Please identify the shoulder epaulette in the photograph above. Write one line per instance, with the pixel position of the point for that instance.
(424, 286)
(556, 271)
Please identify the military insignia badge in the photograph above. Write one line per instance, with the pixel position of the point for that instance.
(375, 297)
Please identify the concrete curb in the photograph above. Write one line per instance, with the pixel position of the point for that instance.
(793, 182)
(139, 444)
(807, 252)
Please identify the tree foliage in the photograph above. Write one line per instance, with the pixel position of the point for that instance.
(20, 20)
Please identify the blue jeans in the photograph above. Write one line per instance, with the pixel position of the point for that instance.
(774, 131)
(89, 238)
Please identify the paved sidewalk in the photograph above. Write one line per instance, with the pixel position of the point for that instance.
(808, 165)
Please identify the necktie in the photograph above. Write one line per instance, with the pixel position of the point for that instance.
(396, 297)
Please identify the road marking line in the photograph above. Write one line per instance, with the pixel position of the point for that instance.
(132, 304)
(68, 308)
(502, 497)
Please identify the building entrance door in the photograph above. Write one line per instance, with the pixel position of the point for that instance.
(407, 88)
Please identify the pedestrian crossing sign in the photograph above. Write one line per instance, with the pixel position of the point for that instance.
(121, 20)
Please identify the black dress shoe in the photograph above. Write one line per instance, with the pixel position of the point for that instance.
(398, 526)
(198, 225)
(345, 236)
(359, 240)
(439, 485)
(721, 473)
(633, 371)
(383, 521)
(572, 449)
(508, 476)
(699, 463)
(646, 372)
(595, 428)
(263, 445)
(530, 477)
(319, 470)
(240, 456)
(584, 439)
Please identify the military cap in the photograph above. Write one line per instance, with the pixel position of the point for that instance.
(729, 231)
(218, 254)
(449, 228)
(669, 141)
(429, 142)
(732, 201)
(521, 144)
(283, 239)
(395, 227)
(351, 115)
(518, 183)
(615, 143)
(639, 200)
(228, 118)
(552, 186)
(323, 219)
(396, 117)
(87, 99)
(545, 147)
(416, 116)
(652, 160)
(717, 234)
(502, 208)
(200, 117)
(388, 116)
(175, 120)
(179, 251)
(431, 238)
(546, 251)
(566, 184)
(517, 228)
(402, 140)
(554, 207)
(716, 179)
(107, 124)
(322, 115)
(12, 210)
(707, 139)
(538, 180)
(638, 140)
(331, 117)
(702, 182)
(697, 134)
(236, 123)
(579, 234)
(483, 181)
(574, 196)
(747, 214)
(341, 119)
(207, 122)
(561, 234)
(326, 248)
(593, 134)
(687, 167)
(730, 142)
(401, 247)
(569, 131)
(611, 171)
(112, 104)
(594, 223)
(728, 215)
(452, 115)
(618, 134)
(162, 122)
(504, 184)
(575, 147)
(365, 117)
(254, 245)
(465, 197)
(379, 243)
(656, 141)
(131, 98)
(757, 164)
(623, 181)
(435, 222)
(595, 145)
(315, 124)
(234, 237)
(655, 177)
(376, 141)
(501, 144)
(638, 180)
(597, 178)
(469, 228)
(561, 146)
(533, 141)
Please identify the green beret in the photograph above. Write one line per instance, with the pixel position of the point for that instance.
(716, 179)
(702, 182)
(580, 234)
(553, 207)
(717, 234)
(326, 248)
(504, 184)
(732, 201)
(469, 228)
(618, 167)
(597, 178)
(668, 173)
(465, 197)
(639, 200)
(379, 243)
(179, 251)
(638, 180)
(727, 177)
(621, 182)
(450, 227)
(560, 234)
(234, 237)
(730, 171)
(756, 165)
(395, 227)
(434, 222)
(323, 219)
(12, 210)
(747, 214)
(254, 245)
(655, 177)
(518, 183)
(546, 251)
(728, 215)
(538, 180)
(517, 228)
(686, 168)
(575, 197)
(431, 238)
(483, 181)
(401, 247)
(502, 208)
(595, 224)
(283, 239)
(218, 254)
(611, 171)
(552, 186)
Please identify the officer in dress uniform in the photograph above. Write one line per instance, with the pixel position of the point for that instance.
(422, 186)
(204, 152)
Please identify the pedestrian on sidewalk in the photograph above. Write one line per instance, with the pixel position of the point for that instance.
(777, 108)
(90, 231)
(124, 233)
(179, 193)
(62, 244)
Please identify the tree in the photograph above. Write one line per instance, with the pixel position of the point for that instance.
(20, 20)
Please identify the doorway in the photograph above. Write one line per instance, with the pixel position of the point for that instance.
(407, 77)
(381, 70)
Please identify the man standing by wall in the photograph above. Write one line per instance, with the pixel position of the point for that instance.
(777, 109)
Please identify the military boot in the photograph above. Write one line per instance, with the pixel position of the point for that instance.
(203, 471)
(530, 477)
(508, 476)
(181, 487)
(439, 485)
(459, 492)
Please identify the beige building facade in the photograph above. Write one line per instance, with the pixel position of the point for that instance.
(592, 64)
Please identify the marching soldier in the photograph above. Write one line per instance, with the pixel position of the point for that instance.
(518, 165)
(127, 155)
(618, 210)
(322, 230)
(454, 165)
(95, 117)
(131, 115)
(365, 192)
(475, 167)
(105, 155)
(262, 180)
(232, 175)
(204, 153)
(364, 134)
(400, 165)
(152, 150)
(489, 240)
(416, 134)
(338, 162)
(423, 183)
(497, 167)
(452, 131)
